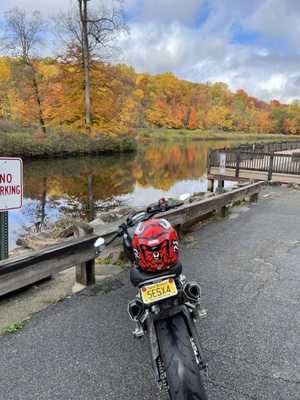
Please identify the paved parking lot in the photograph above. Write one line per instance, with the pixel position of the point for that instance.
(249, 269)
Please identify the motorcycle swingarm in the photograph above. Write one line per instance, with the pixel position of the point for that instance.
(165, 314)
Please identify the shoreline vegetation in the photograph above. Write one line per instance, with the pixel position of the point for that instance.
(28, 144)
(61, 144)
(162, 135)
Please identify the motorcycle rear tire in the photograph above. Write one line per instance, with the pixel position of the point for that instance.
(182, 371)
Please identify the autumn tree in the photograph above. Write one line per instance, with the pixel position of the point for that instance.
(192, 122)
(22, 36)
(94, 32)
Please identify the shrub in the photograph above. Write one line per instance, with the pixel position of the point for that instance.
(29, 145)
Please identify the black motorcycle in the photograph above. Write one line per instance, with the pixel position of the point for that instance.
(165, 309)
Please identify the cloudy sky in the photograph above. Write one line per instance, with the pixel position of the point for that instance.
(253, 45)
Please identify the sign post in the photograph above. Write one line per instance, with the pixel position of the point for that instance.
(3, 235)
(11, 196)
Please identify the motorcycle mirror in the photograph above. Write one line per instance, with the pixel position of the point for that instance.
(99, 242)
(184, 196)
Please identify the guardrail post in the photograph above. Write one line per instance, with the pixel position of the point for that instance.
(253, 198)
(270, 167)
(221, 212)
(85, 272)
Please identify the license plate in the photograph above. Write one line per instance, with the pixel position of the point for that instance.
(158, 291)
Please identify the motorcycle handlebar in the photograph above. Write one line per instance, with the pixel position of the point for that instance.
(150, 211)
(163, 207)
(112, 238)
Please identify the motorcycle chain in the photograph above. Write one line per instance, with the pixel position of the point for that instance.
(163, 380)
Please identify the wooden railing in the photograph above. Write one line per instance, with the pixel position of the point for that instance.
(267, 147)
(255, 160)
(18, 272)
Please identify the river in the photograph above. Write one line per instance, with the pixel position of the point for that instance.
(62, 189)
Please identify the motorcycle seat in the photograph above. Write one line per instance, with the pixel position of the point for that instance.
(138, 276)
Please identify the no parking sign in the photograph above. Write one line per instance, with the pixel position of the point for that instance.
(11, 196)
(11, 183)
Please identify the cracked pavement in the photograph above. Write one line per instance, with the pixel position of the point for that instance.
(249, 271)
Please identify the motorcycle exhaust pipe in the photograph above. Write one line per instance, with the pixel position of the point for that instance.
(135, 309)
(192, 291)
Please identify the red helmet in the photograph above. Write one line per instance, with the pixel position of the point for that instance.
(155, 245)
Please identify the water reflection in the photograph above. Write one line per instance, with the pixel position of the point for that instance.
(76, 186)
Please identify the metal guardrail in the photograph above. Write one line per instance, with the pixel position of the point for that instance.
(19, 272)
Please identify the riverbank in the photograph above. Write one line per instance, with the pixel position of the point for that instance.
(61, 144)
(29, 144)
(164, 135)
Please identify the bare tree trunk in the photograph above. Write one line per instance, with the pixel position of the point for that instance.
(22, 35)
(38, 99)
(86, 62)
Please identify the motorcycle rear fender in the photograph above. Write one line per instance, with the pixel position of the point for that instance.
(169, 313)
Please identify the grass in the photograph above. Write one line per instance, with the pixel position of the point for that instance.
(13, 327)
(161, 135)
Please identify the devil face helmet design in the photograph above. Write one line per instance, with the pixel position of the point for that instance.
(155, 245)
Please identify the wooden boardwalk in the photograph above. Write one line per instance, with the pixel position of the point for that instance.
(277, 162)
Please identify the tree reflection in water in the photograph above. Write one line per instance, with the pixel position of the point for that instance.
(75, 186)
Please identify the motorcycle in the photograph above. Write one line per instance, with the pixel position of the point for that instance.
(166, 305)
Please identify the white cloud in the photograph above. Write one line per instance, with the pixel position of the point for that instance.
(154, 48)
(170, 10)
(279, 19)
(45, 7)
(206, 53)
(165, 37)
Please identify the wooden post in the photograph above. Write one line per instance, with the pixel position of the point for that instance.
(221, 212)
(85, 272)
(210, 185)
(253, 198)
(220, 188)
(270, 167)
(208, 160)
(237, 168)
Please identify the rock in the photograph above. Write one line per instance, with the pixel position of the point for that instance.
(295, 186)
(19, 252)
(82, 228)
(207, 195)
(111, 216)
(200, 196)
(123, 211)
(107, 217)
(97, 222)
(38, 240)
(65, 233)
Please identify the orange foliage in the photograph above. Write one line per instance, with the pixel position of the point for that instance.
(121, 100)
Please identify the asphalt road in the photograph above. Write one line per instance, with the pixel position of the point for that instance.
(249, 270)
